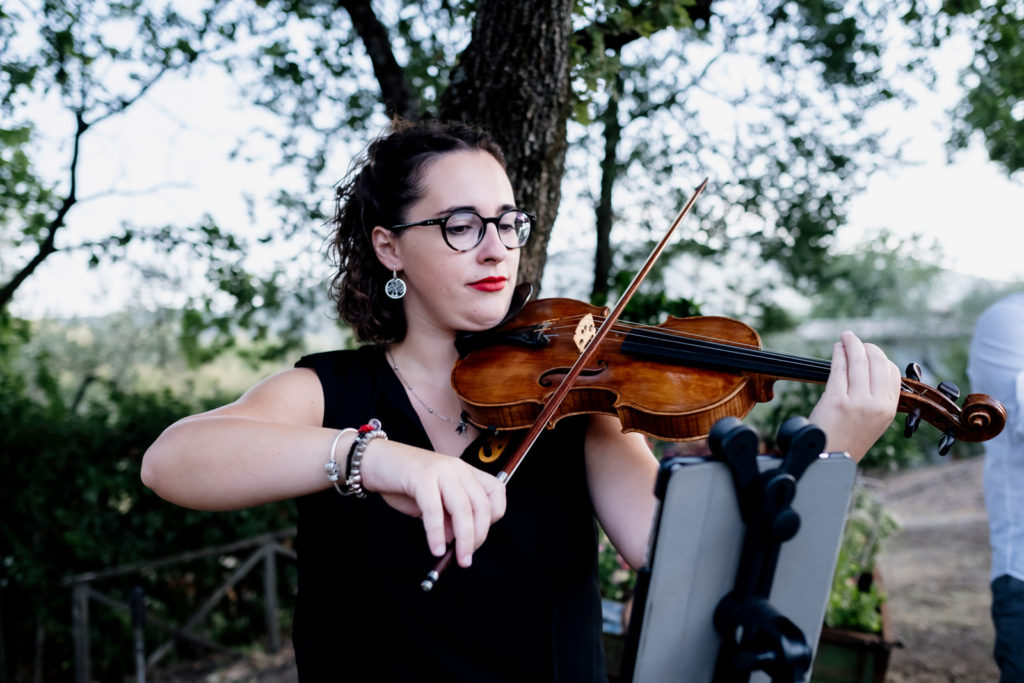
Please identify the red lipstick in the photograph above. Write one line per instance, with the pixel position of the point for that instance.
(489, 284)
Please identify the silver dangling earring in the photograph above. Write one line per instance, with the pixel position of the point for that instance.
(395, 287)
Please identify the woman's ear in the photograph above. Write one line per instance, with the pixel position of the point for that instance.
(385, 245)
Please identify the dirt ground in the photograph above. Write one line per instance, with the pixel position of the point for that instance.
(935, 571)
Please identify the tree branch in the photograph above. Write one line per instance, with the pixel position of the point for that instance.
(47, 245)
(190, 58)
(615, 38)
(123, 104)
(393, 88)
(159, 187)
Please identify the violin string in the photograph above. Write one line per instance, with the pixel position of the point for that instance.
(671, 338)
(745, 351)
(639, 329)
(753, 353)
(785, 360)
(659, 338)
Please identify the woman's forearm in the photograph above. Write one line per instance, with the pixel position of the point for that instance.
(227, 462)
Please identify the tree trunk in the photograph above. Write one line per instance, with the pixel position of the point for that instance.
(518, 89)
(605, 212)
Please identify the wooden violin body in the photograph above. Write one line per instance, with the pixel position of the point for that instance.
(672, 381)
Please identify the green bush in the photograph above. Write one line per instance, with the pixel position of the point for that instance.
(615, 577)
(73, 502)
(855, 600)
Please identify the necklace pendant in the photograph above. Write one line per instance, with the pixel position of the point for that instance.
(461, 429)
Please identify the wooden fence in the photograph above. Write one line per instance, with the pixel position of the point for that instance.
(265, 550)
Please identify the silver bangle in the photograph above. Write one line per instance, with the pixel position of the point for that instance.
(332, 466)
(353, 475)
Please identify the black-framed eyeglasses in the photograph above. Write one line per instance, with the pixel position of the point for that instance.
(464, 229)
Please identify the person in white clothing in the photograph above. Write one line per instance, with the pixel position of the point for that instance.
(996, 367)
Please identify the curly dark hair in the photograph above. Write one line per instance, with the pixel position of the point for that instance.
(379, 188)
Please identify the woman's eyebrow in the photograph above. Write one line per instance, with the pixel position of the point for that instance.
(467, 207)
(453, 209)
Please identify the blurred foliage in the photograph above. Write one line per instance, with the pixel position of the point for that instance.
(883, 275)
(790, 143)
(768, 100)
(892, 451)
(616, 578)
(856, 598)
(71, 488)
(25, 199)
(94, 61)
(994, 80)
(652, 301)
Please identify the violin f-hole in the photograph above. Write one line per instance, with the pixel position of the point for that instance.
(552, 377)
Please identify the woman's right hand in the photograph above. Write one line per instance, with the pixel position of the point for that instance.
(455, 500)
(269, 445)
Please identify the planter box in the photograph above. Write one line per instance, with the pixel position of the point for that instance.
(845, 656)
(851, 657)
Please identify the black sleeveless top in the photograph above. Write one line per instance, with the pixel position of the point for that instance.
(528, 609)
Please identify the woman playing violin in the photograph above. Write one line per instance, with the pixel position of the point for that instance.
(427, 235)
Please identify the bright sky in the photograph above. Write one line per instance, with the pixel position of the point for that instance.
(970, 206)
(967, 203)
(179, 136)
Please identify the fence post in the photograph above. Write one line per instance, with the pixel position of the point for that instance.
(270, 598)
(80, 631)
(138, 609)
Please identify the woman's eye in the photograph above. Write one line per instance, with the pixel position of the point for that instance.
(457, 228)
(460, 223)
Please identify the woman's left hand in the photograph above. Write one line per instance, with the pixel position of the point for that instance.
(860, 398)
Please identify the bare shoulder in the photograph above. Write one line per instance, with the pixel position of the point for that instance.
(292, 396)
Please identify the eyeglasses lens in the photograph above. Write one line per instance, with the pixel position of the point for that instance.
(465, 229)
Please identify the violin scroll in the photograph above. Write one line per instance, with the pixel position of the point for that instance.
(981, 418)
(984, 415)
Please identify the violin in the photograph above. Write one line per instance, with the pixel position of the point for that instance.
(672, 381)
(680, 376)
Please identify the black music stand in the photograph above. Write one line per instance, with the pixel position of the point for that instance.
(731, 591)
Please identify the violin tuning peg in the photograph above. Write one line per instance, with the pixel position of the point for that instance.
(949, 390)
(945, 443)
(912, 423)
(914, 372)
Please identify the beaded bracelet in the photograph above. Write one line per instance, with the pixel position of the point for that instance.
(352, 484)
(353, 475)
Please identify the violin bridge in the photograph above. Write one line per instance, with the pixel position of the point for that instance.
(585, 332)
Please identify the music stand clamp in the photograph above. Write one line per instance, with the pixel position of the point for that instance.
(754, 635)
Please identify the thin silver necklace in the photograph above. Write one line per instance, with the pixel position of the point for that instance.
(461, 426)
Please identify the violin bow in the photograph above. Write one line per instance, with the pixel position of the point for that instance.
(558, 396)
